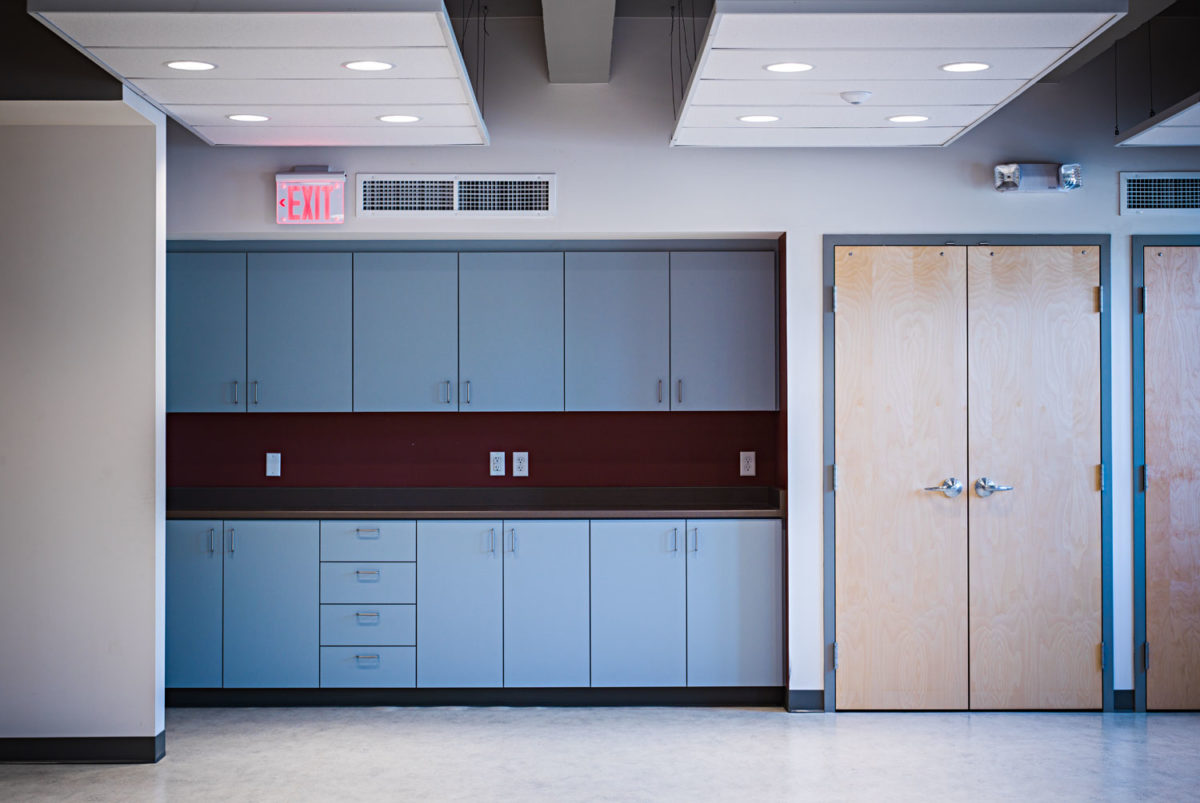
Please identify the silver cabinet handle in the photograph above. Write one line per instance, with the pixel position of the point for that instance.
(660, 391)
(360, 530)
(255, 384)
(696, 539)
(675, 539)
(512, 533)
(232, 541)
(366, 613)
(467, 392)
(373, 657)
(211, 530)
(235, 391)
(985, 487)
(449, 390)
(679, 390)
(492, 540)
(950, 486)
(374, 572)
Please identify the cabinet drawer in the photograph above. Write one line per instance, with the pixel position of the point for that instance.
(369, 540)
(369, 582)
(368, 624)
(373, 667)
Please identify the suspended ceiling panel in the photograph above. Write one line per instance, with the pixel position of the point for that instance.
(896, 56)
(1178, 126)
(284, 60)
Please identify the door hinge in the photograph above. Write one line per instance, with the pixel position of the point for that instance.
(835, 298)
(1142, 299)
(1102, 665)
(1145, 479)
(1100, 299)
(1145, 656)
(1101, 468)
(835, 656)
(836, 477)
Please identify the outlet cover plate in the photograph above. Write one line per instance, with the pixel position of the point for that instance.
(746, 464)
(496, 464)
(274, 464)
(520, 464)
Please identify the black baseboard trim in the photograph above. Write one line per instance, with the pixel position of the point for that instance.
(805, 700)
(715, 696)
(86, 750)
(1123, 700)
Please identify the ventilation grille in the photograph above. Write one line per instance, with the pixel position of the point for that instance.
(1160, 193)
(391, 195)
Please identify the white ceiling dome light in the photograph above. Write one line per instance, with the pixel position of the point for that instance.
(966, 66)
(368, 66)
(908, 118)
(788, 66)
(758, 118)
(191, 66)
(399, 118)
(248, 118)
(856, 97)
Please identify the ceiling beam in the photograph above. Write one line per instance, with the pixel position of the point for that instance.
(578, 40)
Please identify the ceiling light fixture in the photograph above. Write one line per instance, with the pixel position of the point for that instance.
(368, 66)
(966, 66)
(399, 118)
(856, 97)
(908, 118)
(789, 66)
(191, 66)
(248, 118)
(758, 118)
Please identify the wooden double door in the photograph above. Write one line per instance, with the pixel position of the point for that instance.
(968, 512)
(1171, 655)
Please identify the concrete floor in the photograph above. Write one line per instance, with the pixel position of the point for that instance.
(562, 754)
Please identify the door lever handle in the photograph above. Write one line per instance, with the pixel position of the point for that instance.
(985, 487)
(950, 487)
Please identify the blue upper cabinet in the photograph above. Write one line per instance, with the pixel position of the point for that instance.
(193, 588)
(723, 341)
(405, 332)
(206, 333)
(618, 331)
(299, 332)
(546, 603)
(510, 332)
(460, 604)
(272, 609)
(639, 599)
(734, 602)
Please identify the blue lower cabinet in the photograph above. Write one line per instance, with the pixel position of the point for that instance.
(370, 667)
(734, 602)
(460, 602)
(546, 603)
(369, 582)
(368, 624)
(271, 604)
(639, 618)
(193, 590)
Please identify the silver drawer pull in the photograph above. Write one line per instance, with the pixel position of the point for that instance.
(361, 572)
(360, 531)
(366, 657)
(366, 613)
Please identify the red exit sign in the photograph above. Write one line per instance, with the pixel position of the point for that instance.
(310, 198)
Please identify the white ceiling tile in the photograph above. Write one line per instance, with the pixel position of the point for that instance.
(382, 136)
(845, 116)
(149, 62)
(893, 64)
(439, 115)
(869, 31)
(828, 92)
(814, 137)
(276, 91)
(1167, 136)
(276, 29)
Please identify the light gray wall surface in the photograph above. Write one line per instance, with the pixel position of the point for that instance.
(617, 177)
(81, 430)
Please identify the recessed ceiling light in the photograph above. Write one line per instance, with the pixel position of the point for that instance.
(789, 66)
(908, 118)
(368, 66)
(191, 66)
(249, 118)
(966, 66)
(399, 118)
(758, 118)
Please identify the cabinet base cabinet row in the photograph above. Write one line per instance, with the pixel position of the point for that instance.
(474, 604)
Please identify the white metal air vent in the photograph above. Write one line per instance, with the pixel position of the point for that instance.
(445, 195)
(1160, 193)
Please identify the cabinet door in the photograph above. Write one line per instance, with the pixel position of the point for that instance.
(193, 589)
(639, 618)
(511, 332)
(546, 603)
(618, 331)
(299, 332)
(272, 631)
(459, 604)
(406, 332)
(206, 333)
(723, 342)
(734, 603)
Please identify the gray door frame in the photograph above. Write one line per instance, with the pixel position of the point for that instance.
(830, 242)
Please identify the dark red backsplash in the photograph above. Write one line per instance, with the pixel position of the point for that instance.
(442, 450)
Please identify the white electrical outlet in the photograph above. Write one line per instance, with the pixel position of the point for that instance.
(520, 464)
(274, 464)
(496, 464)
(746, 467)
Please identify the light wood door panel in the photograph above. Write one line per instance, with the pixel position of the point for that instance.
(901, 406)
(1173, 477)
(1035, 552)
